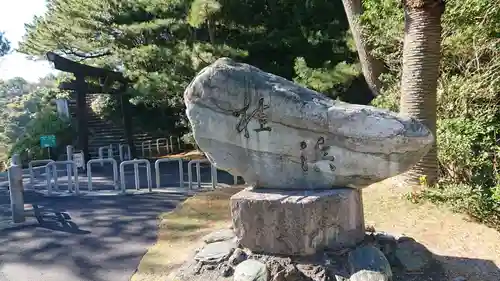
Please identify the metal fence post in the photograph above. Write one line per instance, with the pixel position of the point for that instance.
(55, 177)
(150, 148)
(158, 141)
(214, 176)
(101, 153)
(198, 174)
(143, 147)
(171, 144)
(15, 174)
(122, 176)
(69, 153)
(190, 176)
(48, 178)
(181, 174)
(148, 177)
(122, 153)
(136, 176)
(110, 151)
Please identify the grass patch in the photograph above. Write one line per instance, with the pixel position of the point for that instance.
(180, 232)
(190, 155)
(464, 247)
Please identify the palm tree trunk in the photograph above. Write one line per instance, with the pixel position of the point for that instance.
(421, 60)
(371, 67)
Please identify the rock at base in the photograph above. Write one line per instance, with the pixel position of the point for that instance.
(297, 222)
(369, 258)
(215, 252)
(367, 275)
(251, 270)
(219, 235)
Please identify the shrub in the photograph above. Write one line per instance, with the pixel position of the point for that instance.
(45, 122)
(468, 128)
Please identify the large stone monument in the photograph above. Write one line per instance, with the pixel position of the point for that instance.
(304, 157)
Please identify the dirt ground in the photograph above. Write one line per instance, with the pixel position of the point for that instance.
(465, 248)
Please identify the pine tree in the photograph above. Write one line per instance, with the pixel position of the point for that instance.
(161, 45)
(4, 45)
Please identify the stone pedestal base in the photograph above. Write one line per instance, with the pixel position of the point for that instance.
(297, 222)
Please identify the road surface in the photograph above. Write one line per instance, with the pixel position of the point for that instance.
(87, 238)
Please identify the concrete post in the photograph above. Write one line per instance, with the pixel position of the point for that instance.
(15, 174)
(16, 159)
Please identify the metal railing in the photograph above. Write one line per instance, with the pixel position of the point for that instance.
(102, 161)
(172, 143)
(164, 160)
(53, 176)
(31, 169)
(143, 148)
(136, 163)
(101, 152)
(122, 153)
(213, 172)
(158, 145)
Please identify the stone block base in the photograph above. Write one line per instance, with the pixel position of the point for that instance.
(297, 222)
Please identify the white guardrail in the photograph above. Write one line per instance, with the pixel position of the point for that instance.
(158, 145)
(54, 176)
(164, 160)
(109, 150)
(213, 172)
(119, 182)
(121, 151)
(143, 148)
(136, 163)
(31, 168)
(102, 161)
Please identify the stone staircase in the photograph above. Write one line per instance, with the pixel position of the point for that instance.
(105, 132)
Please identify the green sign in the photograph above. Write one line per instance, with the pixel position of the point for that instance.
(48, 141)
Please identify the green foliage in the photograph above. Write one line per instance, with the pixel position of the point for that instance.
(189, 139)
(325, 79)
(4, 45)
(26, 114)
(161, 45)
(468, 130)
(201, 11)
(45, 122)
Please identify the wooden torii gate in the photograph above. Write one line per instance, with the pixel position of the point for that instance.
(107, 79)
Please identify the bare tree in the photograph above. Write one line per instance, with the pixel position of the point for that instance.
(371, 67)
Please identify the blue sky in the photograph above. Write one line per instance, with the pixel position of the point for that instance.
(13, 15)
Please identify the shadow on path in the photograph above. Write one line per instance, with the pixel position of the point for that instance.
(89, 238)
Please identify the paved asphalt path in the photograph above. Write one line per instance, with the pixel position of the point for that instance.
(89, 238)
